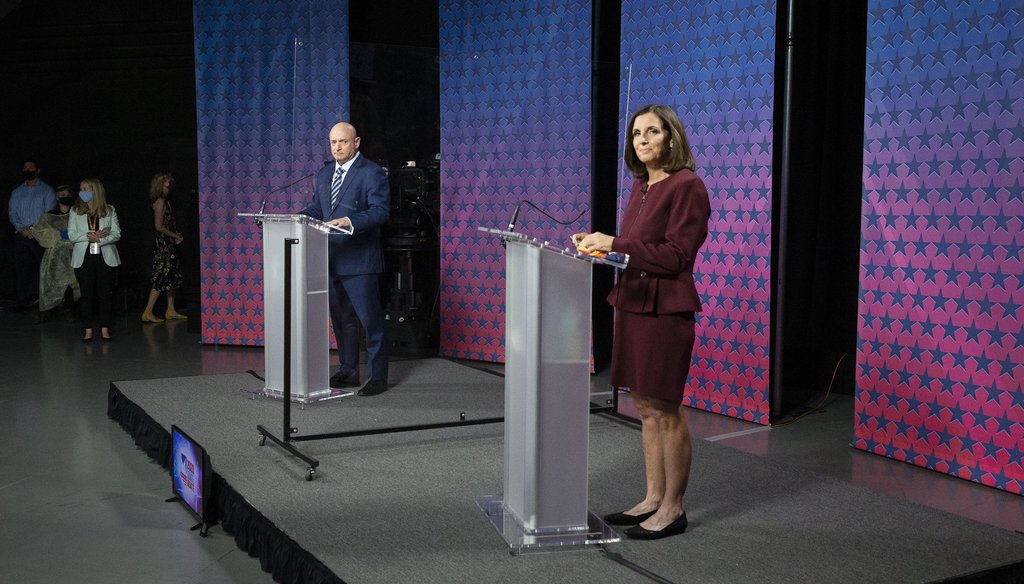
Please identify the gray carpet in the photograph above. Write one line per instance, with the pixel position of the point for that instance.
(400, 507)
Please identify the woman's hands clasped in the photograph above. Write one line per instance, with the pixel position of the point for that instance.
(96, 236)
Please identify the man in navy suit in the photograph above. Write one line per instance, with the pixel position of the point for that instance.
(354, 192)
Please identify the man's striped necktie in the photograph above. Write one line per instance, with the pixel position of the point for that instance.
(336, 187)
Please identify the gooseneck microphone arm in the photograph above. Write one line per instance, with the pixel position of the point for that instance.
(263, 204)
(515, 215)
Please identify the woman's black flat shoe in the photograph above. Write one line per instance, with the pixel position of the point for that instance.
(623, 519)
(675, 528)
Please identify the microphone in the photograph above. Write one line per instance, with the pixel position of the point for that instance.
(515, 215)
(263, 204)
(512, 222)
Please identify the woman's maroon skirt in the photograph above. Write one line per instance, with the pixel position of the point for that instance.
(651, 353)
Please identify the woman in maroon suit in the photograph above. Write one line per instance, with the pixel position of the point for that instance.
(665, 223)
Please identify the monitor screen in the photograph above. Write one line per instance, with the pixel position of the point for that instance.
(190, 472)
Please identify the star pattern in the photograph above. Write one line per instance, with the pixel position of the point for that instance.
(943, 226)
(940, 360)
(268, 87)
(717, 73)
(515, 125)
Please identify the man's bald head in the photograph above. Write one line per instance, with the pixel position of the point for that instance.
(344, 142)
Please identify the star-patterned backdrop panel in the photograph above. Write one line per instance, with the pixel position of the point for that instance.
(271, 78)
(515, 125)
(940, 356)
(713, 62)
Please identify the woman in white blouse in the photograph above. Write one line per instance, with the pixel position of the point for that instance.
(93, 228)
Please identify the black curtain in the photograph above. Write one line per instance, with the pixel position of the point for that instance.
(607, 23)
(822, 239)
(105, 90)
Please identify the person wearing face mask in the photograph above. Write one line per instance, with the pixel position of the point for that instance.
(28, 202)
(93, 229)
(56, 276)
(663, 227)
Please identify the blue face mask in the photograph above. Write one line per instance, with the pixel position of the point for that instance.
(86, 196)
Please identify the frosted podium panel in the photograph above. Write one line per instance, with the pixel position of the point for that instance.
(547, 388)
(310, 365)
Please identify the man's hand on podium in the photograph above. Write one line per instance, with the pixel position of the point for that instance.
(343, 222)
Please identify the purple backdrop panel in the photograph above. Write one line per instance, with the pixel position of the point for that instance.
(940, 356)
(271, 78)
(515, 125)
(713, 61)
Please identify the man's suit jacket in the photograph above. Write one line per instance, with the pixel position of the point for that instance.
(366, 200)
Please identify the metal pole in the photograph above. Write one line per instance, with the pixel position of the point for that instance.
(782, 219)
(287, 430)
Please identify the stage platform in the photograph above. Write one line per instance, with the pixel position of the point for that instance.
(400, 507)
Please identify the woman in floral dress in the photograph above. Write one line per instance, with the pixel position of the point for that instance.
(166, 271)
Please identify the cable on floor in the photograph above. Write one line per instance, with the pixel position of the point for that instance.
(618, 559)
(817, 406)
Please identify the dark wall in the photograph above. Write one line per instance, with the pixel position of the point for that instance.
(607, 17)
(105, 90)
(395, 83)
(396, 103)
(822, 239)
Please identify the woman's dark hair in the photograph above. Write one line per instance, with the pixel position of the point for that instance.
(677, 157)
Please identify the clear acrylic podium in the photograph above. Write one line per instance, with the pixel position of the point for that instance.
(547, 399)
(310, 345)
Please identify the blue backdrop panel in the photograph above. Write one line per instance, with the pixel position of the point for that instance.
(271, 78)
(940, 359)
(515, 124)
(713, 61)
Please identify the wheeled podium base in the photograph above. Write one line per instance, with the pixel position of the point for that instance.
(521, 541)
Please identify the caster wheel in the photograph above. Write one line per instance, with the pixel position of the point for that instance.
(309, 473)
(263, 440)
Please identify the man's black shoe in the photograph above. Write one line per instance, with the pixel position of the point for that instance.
(374, 387)
(340, 380)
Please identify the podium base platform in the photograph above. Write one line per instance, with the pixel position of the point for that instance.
(311, 398)
(521, 542)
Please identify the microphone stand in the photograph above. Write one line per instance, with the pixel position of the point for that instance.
(263, 204)
(515, 215)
